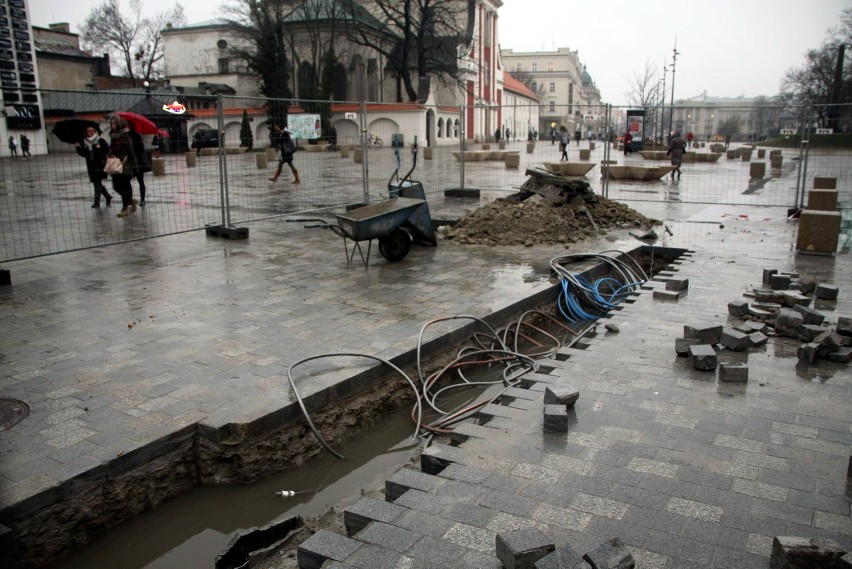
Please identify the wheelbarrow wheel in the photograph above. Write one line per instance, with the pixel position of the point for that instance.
(395, 246)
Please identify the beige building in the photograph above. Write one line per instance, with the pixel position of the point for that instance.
(745, 118)
(568, 95)
(61, 62)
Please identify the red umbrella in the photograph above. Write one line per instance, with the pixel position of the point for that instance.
(141, 124)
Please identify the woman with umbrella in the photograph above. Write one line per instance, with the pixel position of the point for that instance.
(121, 146)
(95, 149)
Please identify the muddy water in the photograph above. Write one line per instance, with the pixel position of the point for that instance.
(189, 531)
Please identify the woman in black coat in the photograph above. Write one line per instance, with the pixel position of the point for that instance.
(95, 150)
(121, 146)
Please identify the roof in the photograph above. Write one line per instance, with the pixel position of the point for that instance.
(55, 47)
(337, 10)
(513, 85)
(214, 23)
(136, 100)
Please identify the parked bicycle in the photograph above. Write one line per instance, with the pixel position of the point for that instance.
(375, 140)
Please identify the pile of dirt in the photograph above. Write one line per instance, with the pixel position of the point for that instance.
(529, 218)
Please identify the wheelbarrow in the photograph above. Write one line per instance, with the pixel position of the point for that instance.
(382, 221)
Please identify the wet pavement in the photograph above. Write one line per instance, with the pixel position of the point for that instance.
(117, 349)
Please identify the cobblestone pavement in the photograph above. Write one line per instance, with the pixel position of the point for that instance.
(116, 348)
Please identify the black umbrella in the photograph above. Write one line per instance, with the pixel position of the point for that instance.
(73, 130)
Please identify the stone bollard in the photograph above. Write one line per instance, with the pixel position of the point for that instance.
(822, 200)
(761, 153)
(502, 145)
(358, 155)
(158, 166)
(270, 154)
(261, 161)
(427, 153)
(745, 154)
(191, 159)
(757, 169)
(513, 160)
(776, 161)
(344, 151)
(731, 154)
(585, 154)
(591, 146)
(530, 147)
(819, 231)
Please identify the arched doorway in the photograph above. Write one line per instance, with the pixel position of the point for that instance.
(430, 127)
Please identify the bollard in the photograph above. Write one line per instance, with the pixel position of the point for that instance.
(270, 154)
(822, 183)
(776, 161)
(261, 161)
(745, 154)
(513, 160)
(486, 147)
(591, 145)
(358, 155)
(191, 159)
(502, 145)
(585, 154)
(158, 166)
(530, 147)
(427, 153)
(757, 169)
(761, 153)
(344, 151)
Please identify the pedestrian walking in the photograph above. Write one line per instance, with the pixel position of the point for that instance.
(121, 146)
(95, 150)
(497, 135)
(507, 134)
(25, 146)
(689, 138)
(627, 139)
(727, 140)
(286, 149)
(13, 145)
(143, 162)
(564, 140)
(578, 136)
(677, 146)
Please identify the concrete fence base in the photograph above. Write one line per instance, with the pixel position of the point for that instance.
(158, 166)
(191, 159)
(260, 161)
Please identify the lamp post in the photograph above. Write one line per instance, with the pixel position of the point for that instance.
(663, 100)
(675, 53)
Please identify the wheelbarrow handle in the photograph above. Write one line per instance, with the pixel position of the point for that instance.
(306, 220)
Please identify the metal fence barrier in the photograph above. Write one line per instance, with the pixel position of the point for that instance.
(46, 198)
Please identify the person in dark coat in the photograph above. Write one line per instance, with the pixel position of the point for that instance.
(25, 146)
(143, 162)
(95, 150)
(121, 146)
(677, 146)
(286, 149)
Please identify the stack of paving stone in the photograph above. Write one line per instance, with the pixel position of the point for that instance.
(559, 398)
(785, 303)
(675, 286)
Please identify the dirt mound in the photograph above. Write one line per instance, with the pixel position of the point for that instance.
(529, 218)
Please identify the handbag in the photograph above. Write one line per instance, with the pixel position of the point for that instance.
(114, 165)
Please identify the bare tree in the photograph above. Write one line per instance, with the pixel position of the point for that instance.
(643, 91)
(133, 41)
(418, 39)
(528, 79)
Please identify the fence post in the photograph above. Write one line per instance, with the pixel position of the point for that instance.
(462, 145)
(225, 229)
(607, 152)
(365, 169)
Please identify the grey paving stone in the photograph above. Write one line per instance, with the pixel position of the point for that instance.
(734, 340)
(733, 372)
(323, 545)
(408, 479)
(610, 555)
(810, 315)
(564, 557)
(368, 509)
(703, 357)
(706, 332)
(387, 536)
(520, 549)
(780, 282)
(827, 291)
(738, 308)
(561, 394)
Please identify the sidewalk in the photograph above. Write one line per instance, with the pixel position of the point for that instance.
(118, 348)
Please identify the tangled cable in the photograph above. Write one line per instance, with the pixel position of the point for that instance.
(491, 348)
(580, 300)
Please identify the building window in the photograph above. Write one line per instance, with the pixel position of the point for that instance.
(534, 67)
(223, 65)
(519, 67)
(550, 67)
(534, 87)
(552, 107)
(552, 87)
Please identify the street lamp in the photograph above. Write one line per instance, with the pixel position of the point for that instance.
(675, 53)
(663, 100)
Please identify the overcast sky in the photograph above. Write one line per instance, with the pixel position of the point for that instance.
(728, 48)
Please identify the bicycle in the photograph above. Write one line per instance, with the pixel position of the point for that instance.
(375, 140)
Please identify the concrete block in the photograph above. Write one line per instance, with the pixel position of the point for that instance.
(761, 153)
(826, 291)
(808, 353)
(757, 169)
(787, 322)
(512, 160)
(806, 285)
(733, 372)
(780, 282)
(358, 155)
(792, 299)
(677, 283)
(745, 154)
(809, 332)
(682, 345)
(611, 555)
(736, 341)
(804, 553)
(775, 152)
(828, 342)
(776, 161)
(822, 200)
(555, 419)
(501, 145)
(810, 315)
(703, 357)
(818, 231)
(738, 308)
(322, 546)
(768, 295)
(260, 161)
(158, 166)
(563, 558)
(191, 159)
(666, 295)
(758, 338)
(530, 147)
(706, 332)
(585, 154)
(844, 326)
(842, 355)
(520, 549)
(759, 313)
(560, 394)
(366, 510)
(825, 183)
